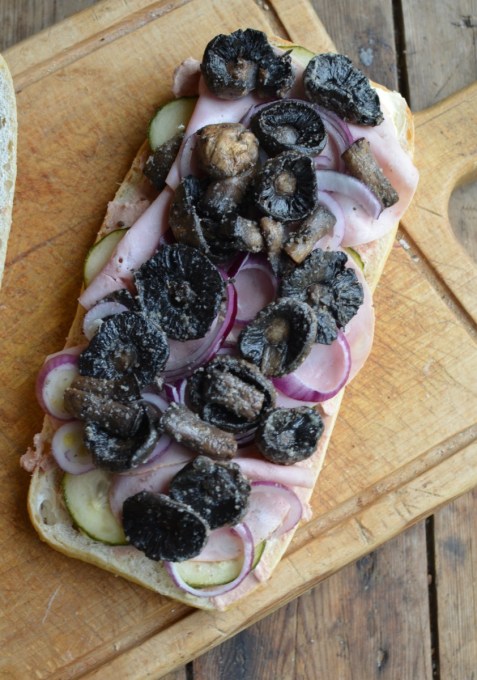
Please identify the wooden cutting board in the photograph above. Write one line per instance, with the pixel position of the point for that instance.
(405, 440)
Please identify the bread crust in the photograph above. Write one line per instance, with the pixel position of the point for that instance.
(46, 507)
(8, 157)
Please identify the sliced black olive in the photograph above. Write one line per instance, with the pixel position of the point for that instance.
(289, 125)
(301, 241)
(218, 492)
(187, 428)
(234, 65)
(323, 281)
(159, 163)
(230, 393)
(184, 219)
(118, 454)
(286, 187)
(226, 149)
(332, 81)
(126, 344)
(362, 164)
(288, 435)
(181, 290)
(162, 528)
(280, 337)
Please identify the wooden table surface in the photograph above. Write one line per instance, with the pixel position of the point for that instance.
(409, 609)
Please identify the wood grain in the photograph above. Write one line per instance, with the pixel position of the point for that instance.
(351, 509)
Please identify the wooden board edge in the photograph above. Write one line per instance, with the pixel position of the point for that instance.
(302, 23)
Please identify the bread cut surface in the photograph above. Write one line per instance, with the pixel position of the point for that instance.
(8, 157)
(45, 503)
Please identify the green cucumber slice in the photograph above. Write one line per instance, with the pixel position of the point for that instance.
(87, 499)
(206, 574)
(356, 257)
(169, 120)
(100, 253)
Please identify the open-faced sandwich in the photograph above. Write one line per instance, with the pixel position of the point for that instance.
(227, 303)
(8, 157)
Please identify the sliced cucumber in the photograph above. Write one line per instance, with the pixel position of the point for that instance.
(169, 120)
(356, 257)
(100, 253)
(206, 574)
(300, 54)
(87, 499)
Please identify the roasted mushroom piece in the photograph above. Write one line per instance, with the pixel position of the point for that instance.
(292, 125)
(160, 161)
(288, 435)
(301, 241)
(332, 81)
(181, 290)
(226, 149)
(280, 337)
(230, 393)
(218, 492)
(120, 453)
(326, 284)
(162, 528)
(184, 219)
(126, 345)
(223, 197)
(286, 187)
(234, 65)
(361, 163)
(186, 427)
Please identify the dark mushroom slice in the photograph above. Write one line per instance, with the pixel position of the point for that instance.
(225, 196)
(280, 337)
(234, 65)
(126, 345)
(184, 219)
(181, 289)
(290, 125)
(116, 418)
(274, 236)
(241, 233)
(218, 492)
(287, 435)
(362, 164)
(186, 427)
(160, 161)
(329, 287)
(332, 81)
(162, 528)
(124, 297)
(302, 240)
(121, 453)
(286, 187)
(230, 393)
(124, 391)
(226, 149)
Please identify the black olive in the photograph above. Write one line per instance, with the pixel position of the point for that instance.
(288, 435)
(218, 492)
(230, 393)
(226, 149)
(126, 344)
(159, 163)
(290, 125)
(184, 219)
(280, 337)
(181, 290)
(118, 454)
(332, 81)
(286, 187)
(162, 528)
(323, 281)
(234, 65)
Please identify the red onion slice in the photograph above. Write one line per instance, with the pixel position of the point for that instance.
(276, 494)
(256, 286)
(338, 182)
(176, 392)
(188, 164)
(186, 356)
(323, 373)
(94, 317)
(68, 449)
(243, 532)
(56, 374)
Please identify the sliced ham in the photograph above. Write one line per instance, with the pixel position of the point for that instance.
(138, 244)
(186, 78)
